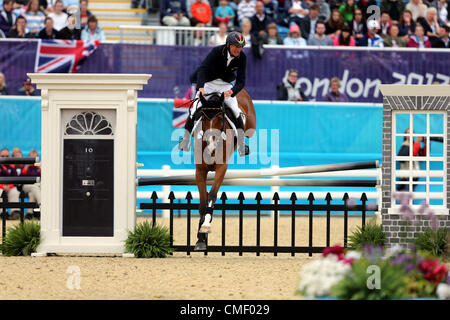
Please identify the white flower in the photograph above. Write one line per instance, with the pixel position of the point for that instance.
(321, 275)
(355, 255)
(443, 291)
(393, 251)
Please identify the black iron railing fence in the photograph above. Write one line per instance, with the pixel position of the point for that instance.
(294, 208)
(19, 206)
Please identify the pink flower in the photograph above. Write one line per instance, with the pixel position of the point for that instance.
(434, 272)
(336, 250)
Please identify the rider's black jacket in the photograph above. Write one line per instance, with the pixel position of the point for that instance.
(215, 67)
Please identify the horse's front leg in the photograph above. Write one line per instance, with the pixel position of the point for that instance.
(212, 197)
(200, 177)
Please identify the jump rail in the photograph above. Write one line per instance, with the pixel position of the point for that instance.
(288, 171)
(11, 160)
(19, 180)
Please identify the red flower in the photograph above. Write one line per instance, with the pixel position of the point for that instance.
(434, 272)
(337, 250)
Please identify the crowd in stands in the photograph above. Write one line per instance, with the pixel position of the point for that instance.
(32, 191)
(42, 19)
(414, 23)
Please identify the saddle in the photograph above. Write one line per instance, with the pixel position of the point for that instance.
(210, 112)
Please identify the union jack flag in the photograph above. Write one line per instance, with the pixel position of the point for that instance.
(180, 112)
(62, 56)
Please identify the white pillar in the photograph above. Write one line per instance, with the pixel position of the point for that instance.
(112, 95)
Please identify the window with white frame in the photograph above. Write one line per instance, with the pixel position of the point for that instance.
(419, 156)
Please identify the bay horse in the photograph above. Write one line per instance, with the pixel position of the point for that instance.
(215, 142)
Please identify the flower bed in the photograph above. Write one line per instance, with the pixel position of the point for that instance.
(374, 273)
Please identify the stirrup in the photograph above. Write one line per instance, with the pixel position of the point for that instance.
(184, 145)
(244, 152)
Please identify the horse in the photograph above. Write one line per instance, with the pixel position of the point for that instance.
(215, 142)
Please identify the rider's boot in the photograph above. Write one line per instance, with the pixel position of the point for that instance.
(243, 149)
(185, 142)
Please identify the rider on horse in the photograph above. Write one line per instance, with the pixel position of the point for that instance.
(215, 74)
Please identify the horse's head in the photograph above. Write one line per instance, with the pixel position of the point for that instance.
(213, 119)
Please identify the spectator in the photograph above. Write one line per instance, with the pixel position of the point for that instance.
(417, 8)
(201, 13)
(419, 39)
(71, 6)
(246, 9)
(289, 89)
(335, 95)
(27, 89)
(358, 27)
(220, 37)
(189, 4)
(394, 8)
(347, 10)
(320, 38)
(35, 18)
(345, 38)
(174, 13)
(296, 9)
(271, 9)
(444, 41)
(260, 20)
(430, 25)
(406, 25)
(199, 39)
(7, 16)
(2, 34)
(234, 5)
(405, 165)
(19, 30)
(3, 88)
(443, 9)
(48, 32)
(33, 191)
(324, 10)
(58, 16)
(393, 39)
(50, 7)
(272, 35)
(372, 39)
(224, 14)
(70, 32)
(334, 24)
(364, 5)
(10, 189)
(84, 13)
(246, 32)
(92, 31)
(308, 24)
(385, 24)
(294, 37)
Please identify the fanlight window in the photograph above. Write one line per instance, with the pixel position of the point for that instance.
(88, 123)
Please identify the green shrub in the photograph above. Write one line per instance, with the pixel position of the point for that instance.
(372, 234)
(21, 239)
(434, 242)
(355, 286)
(147, 241)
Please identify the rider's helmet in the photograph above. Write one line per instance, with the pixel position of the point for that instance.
(235, 38)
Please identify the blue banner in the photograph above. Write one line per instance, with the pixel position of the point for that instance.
(360, 70)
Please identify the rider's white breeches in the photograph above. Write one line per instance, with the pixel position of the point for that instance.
(219, 85)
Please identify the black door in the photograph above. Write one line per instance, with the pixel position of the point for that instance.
(88, 188)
